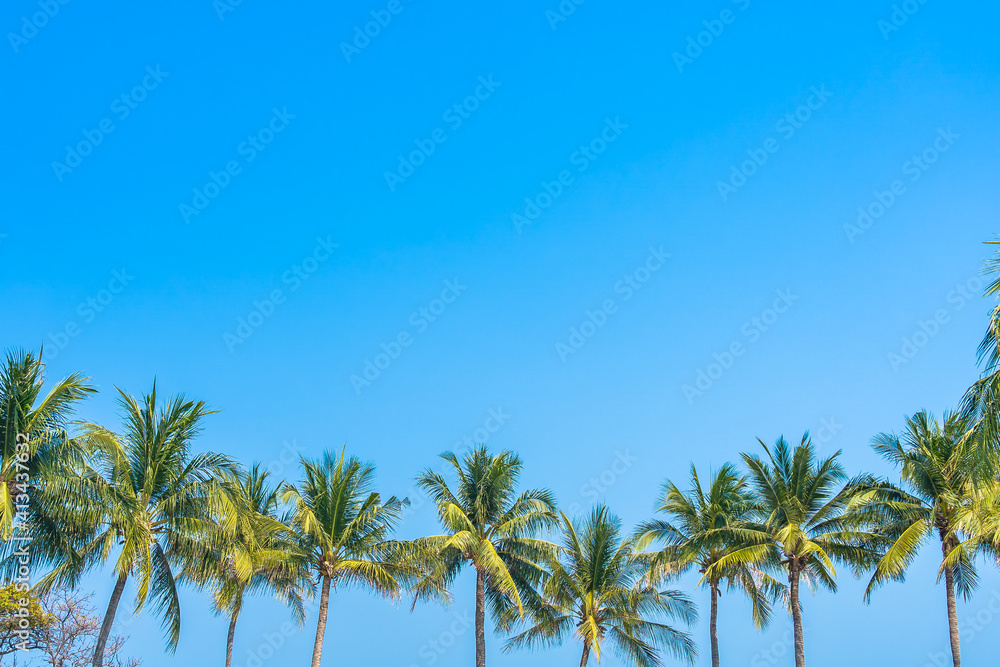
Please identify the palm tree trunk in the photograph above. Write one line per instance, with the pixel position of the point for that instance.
(229, 640)
(956, 651)
(713, 625)
(800, 648)
(324, 606)
(109, 620)
(480, 618)
(586, 654)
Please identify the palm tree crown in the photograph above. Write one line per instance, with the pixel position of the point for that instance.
(806, 515)
(146, 499)
(702, 528)
(599, 591)
(34, 424)
(493, 528)
(343, 528)
(981, 405)
(249, 551)
(942, 475)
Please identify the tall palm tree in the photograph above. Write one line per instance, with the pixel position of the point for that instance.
(703, 527)
(941, 478)
(343, 528)
(492, 528)
(146, 499)
(599, 591)
(807, 516)
(37, 422)
(249, 551)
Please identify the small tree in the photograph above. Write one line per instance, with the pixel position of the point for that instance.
(22, 620)
(69, 638)
(62, 629)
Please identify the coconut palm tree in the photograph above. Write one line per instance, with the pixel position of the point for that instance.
(598, 591)
(702, 527)
(146, 500)
(343, 528)
(940, 486)
(492, 528)
(981, 405)
(249, 551)
(34, 444)
(978, 521)
(806, 514)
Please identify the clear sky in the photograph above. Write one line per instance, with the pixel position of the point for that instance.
(248, 201)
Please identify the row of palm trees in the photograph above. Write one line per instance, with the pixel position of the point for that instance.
(140, 501)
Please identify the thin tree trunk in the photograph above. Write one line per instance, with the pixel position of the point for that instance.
(109, 620)
(480, 618)
(947, 545)
(586, 654)
(324, 606)
(713, 625)
(800, 648)
(956, 651)
(229, 640)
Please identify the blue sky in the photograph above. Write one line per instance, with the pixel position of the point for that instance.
(233, 172)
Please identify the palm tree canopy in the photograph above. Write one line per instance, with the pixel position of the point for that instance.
(598, 591)
(940, 475)
(40, 420)
(145, 500)
(491, 525)
(251, 549)
(806, 512)
(981, 405)
(344, 526)
(703, 526)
